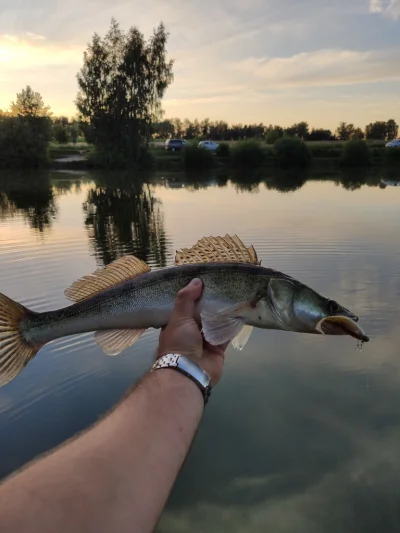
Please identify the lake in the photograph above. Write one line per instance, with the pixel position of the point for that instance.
(302, 435)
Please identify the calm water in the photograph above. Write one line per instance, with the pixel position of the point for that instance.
(303, 433)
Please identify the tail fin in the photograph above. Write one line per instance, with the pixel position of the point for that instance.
(15, 351)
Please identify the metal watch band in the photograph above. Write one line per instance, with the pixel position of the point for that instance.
(187, 367)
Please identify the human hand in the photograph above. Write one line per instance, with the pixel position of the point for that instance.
(183, 336)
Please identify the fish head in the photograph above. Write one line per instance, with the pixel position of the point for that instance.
(300, 308)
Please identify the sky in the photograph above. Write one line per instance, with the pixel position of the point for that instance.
(270, 61)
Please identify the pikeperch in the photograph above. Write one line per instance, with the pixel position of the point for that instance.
(120, 301)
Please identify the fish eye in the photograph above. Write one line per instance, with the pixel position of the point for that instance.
(333, 306)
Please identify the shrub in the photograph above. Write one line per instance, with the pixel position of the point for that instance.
(60, 133)
(24, 141)
(248, 154)
(392, 156)
(223, 150)
(272, 136)
(356, 153)
(291, 152)
(195, 158)
(98, 158)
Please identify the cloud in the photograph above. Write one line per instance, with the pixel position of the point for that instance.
(393, 9)
(389, 8)
(31, 50)
(375, 6)
(322, 68)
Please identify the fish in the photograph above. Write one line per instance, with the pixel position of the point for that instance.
(120, 301)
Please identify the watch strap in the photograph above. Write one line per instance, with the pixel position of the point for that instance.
(187, 367)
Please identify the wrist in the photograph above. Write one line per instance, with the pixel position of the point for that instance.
(177, 387)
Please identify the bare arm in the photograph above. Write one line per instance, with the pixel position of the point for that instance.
(118, 475)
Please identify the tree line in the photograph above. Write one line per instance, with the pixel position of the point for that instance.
(222, 131)
(121, 85)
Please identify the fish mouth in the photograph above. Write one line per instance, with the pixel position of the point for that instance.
(342, 325)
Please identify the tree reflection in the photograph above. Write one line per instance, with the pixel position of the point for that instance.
(354, 179)
(246, 180)
(124, 217)
(29, 195)
(287, 181)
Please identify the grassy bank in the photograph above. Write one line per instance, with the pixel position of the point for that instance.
(285, 153)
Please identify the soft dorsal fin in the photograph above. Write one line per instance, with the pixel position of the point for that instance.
(217, 250)
(120, 270)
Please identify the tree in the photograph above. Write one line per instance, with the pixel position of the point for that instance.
(299, 130)
(178, 127)
(273, 135)
(345, 131)
(357, 134)
(376, 130)
(29, 104)
(121, 85)
(392, 129)
(74, 131)
(320, 135)
(382, 131)
(61, 133)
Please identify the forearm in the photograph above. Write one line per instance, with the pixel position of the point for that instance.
(118, 475)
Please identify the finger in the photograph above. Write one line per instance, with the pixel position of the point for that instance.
(186, 299)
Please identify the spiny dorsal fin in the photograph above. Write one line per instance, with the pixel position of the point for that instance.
(217, 250)
(120, 270)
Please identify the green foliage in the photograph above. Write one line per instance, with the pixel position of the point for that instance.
(24, 141)
(122, 82)
(392, 129)
(291, 152)
(376, 130)
(197, 158)
(223, 150)
(392, 156)
(248, 154)
(29, 104)
(74, 132)
(273, 135)
(345, 131)
(383, 131)
(356, 153)
(299, 130)
(320, 135)
(61, 134)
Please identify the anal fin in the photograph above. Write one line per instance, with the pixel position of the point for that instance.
(115, 341)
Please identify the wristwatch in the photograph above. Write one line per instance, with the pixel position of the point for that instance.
(187, 367)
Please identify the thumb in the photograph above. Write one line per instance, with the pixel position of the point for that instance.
(186, 299)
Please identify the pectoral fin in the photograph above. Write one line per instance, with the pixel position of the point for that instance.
(219, 328)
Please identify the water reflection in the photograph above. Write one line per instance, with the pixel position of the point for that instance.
(282, 181)
(302, 434)
(29, 195)
(124, 217)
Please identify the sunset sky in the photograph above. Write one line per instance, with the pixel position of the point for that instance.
(271, 61)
